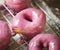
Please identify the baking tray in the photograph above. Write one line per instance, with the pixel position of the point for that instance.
(52, 24)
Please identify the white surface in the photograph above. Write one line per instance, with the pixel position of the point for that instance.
(1, 2)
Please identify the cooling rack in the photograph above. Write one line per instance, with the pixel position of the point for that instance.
(52, 25)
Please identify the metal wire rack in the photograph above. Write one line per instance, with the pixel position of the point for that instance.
(52, 25)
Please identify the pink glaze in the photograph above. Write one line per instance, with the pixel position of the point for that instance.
(30, 22)
(18, 5)
(49, 41)
(4, 35)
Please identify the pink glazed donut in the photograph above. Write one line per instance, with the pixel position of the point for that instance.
(5, 35)
(18, 5)
(29, 22)
(49, 41)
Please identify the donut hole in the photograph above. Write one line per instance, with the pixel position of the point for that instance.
(27, 17)
(42, 46)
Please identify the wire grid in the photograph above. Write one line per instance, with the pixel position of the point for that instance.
(52, 25)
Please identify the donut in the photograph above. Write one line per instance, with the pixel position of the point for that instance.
(5, 35)
(49, 41)
(18, 5)
(29, 22)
